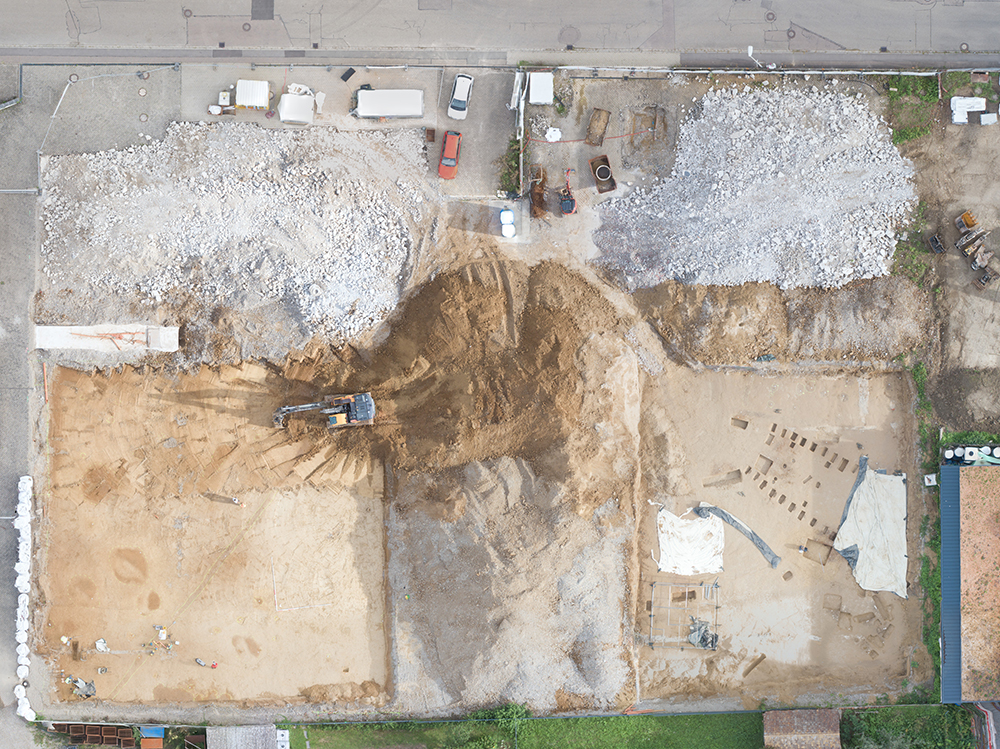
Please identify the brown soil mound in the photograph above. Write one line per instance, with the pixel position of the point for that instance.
(480, 363)
(718, 324)
(876, 319)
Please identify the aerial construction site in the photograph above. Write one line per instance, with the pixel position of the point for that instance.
(511, 516)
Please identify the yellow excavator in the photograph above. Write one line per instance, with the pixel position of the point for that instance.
(341, 410)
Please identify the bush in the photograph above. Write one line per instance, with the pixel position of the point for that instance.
(923, 87)
(953, 80)
(904, 134)
(510, 168)
(506, 717)
(916, 727)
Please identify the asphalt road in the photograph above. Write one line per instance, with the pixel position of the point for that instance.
(477, 27)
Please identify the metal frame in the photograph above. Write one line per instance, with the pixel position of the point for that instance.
(670, 619)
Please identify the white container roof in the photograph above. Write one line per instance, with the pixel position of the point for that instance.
(253, 94)
(541, 88)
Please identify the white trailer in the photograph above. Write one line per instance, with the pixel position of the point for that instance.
(390, 102)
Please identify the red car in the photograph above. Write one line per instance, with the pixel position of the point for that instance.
(450, 149)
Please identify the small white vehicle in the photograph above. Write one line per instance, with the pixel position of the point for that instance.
(458, 107)
(507, 223)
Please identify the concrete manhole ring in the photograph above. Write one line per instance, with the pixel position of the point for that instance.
(246, 27)
(569, 35)
(143, 117)
(790, 33)
(964, 47)
(74, 78)
(188, 13)
(142, 92)
(770, 15)
(144, 75)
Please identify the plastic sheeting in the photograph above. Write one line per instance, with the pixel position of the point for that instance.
(872, 534)
(706, 510)
(296, 109)
(689, 547)
(22, 568)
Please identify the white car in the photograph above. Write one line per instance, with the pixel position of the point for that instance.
(458, 107)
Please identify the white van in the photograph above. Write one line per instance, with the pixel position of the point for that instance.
(390, 102)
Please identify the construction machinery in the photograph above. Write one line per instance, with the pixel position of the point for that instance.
(966, 222)
(981, 259)
(567, 203)
(971, 241)
(340, 410)
(988, 277)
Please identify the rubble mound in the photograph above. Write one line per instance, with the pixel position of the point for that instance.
(307, 232)
(797, 188)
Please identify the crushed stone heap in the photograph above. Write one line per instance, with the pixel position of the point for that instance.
(797, 188)
(311, 231)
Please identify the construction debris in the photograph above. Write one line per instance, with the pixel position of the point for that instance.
(701, 636)
(294, 229)
(798, 188)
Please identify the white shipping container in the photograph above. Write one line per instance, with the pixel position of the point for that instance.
(390, 102)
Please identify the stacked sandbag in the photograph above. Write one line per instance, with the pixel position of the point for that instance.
(22, 522)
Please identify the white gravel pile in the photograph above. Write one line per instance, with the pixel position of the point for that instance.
(798, 188)
(311, 229)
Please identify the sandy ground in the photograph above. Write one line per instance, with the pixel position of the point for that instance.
(285, 591)
(865, 321)
(781, 454)
(519, 409)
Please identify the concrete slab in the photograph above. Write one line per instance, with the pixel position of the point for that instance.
(128, 340)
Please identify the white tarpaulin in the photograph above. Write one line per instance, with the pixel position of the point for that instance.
(872, 535)
(296, 109)
(689, 547)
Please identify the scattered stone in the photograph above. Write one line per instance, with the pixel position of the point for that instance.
(797, 188)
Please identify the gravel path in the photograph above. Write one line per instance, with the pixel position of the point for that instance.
(797, 188)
